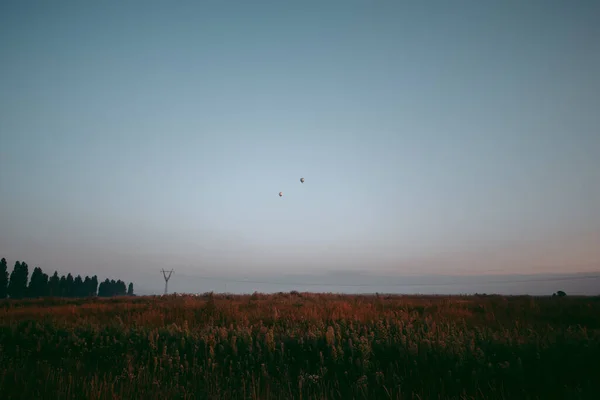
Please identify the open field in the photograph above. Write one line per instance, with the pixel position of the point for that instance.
(301, 346)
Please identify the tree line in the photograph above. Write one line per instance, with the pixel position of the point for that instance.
(16, 285)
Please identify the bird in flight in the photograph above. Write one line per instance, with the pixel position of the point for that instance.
(301, 181)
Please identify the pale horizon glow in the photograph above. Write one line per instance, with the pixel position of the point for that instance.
(438, 139)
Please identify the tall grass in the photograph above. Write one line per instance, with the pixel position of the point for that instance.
(300, 346)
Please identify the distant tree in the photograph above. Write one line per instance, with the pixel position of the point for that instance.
(111, 287)
(70, 286)
(54, 285)
(78, 288)
(120, 288)
(86, 286)
(44, 285)
(33, 283)
(17, 285)
(62, 286)
(38, 284)
(93, 291)
(3, 279)
(560, 293)
(104, 289)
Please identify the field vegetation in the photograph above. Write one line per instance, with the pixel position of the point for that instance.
(300, 346)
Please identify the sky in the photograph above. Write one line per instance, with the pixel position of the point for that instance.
(435, 138)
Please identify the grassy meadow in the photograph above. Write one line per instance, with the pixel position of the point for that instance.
(301, 346)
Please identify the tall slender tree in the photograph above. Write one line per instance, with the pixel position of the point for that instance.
(70, 286)
(104, 289)
(38, 284)
(78, 289)
(130, 289)
(86, 286)
(17, 285)
(94, 286)
(44, 284)
(54, 285)
(120, 289)
(62, 286)
(3, 279)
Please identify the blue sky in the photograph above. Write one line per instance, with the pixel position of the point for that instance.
(435, 137)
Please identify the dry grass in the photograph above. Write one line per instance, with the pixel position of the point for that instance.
(300, 345)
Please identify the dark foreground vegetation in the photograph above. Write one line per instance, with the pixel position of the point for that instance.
(300, 346)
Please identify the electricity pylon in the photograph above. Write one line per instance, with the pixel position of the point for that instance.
(167, 277)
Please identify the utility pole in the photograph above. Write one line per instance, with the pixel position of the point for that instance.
(167, 275)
